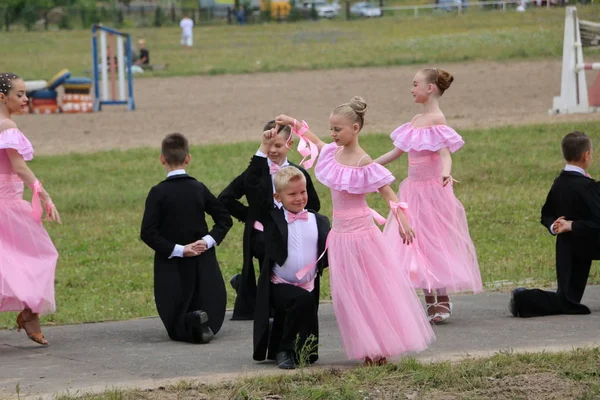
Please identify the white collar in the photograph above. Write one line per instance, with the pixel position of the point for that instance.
(285, 163)
(176, 172)
(574, 168)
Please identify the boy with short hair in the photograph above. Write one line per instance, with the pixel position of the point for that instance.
(189, 290)
(572, 213)
(256, 183)
(295, 241)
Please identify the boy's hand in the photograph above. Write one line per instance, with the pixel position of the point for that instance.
(188, 251)
(199, 246)
(269, 136)
(561, 225)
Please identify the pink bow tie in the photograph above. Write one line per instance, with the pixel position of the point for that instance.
(274, 168)
(291, 217)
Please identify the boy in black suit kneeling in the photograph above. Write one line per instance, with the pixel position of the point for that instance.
(572, 212)
(189, 290)
(290, 275)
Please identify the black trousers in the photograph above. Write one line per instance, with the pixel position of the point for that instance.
(571, 278)
(182, 286)
(295, 319)
(245, 301)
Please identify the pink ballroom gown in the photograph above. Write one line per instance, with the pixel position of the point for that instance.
(443, 255)
(27, 255)
(377, 310)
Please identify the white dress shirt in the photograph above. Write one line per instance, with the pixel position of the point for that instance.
(178, 250)
(269, 162)
(570, 168)
(302, 250)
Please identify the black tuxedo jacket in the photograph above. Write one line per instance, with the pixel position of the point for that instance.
(276, 239)
(577, 198)
(256, 185)
(175, 214)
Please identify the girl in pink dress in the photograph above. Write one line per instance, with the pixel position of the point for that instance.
(378, 312)
(442, 257)
(27, 255)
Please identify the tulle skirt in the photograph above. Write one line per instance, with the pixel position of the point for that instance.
(443, 254)
(378, 312)
(27, 255)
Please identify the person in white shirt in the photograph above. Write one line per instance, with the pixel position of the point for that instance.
(255, 183)
(295, 243)
(187, 31)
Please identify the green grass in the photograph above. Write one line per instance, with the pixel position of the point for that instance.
(105, 271)
(475, 35)
(534, 376)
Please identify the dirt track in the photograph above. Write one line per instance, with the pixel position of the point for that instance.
(212, 109)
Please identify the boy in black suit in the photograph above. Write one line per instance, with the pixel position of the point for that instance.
(256, 184)
(572, 212)
(290, 275)
(189, 290)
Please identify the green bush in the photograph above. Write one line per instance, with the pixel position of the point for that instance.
(65, 22)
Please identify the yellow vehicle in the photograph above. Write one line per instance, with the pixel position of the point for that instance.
(279, 8)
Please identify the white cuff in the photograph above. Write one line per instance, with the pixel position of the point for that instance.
(260, 154)
(210, 242)
(552, 229)
(177, 251)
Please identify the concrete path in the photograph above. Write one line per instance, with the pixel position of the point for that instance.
(92, 357)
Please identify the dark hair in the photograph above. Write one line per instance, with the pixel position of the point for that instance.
(175, 148)
(574, 145)
(6, 79)
(440, 78)
(286, 130)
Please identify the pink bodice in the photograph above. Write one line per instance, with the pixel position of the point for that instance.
(11, 186)
(429, 138)
(424, 165)
(349, 186)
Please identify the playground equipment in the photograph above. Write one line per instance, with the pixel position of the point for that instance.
(111, 67)
(575, 97)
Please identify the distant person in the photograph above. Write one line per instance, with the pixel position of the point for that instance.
(144, 56)
(187, 31)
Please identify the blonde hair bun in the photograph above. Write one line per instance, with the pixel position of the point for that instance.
(359, 106)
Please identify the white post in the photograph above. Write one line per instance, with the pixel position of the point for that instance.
(104, 65)
(121, 64)
(573, 90)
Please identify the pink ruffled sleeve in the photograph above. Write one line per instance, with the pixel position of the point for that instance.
(430, 138)
(356, 180)
(14, 139)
